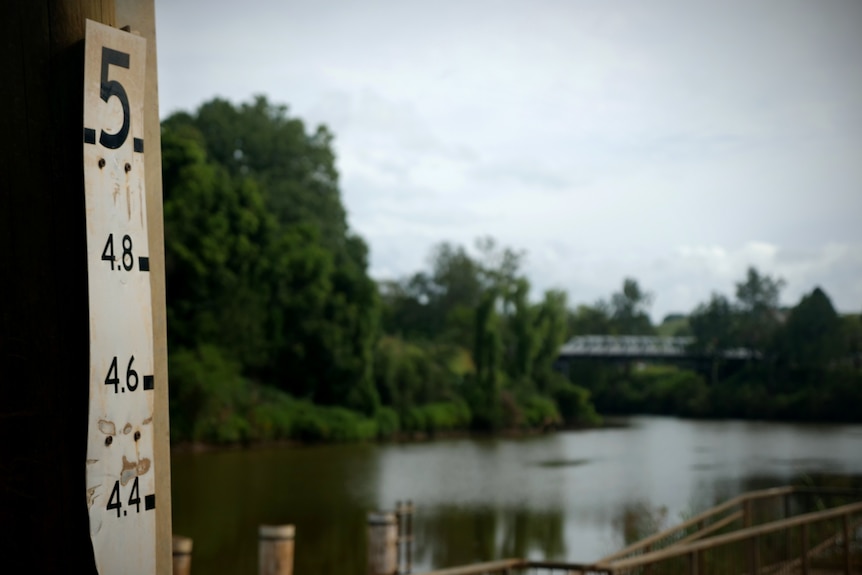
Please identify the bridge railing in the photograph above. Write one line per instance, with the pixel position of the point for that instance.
(643, 346)
(769, 532)
(745, 510)
(823, 542)
(820, 542)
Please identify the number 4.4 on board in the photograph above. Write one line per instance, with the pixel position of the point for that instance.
(115, 502)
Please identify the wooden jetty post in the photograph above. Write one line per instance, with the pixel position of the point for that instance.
(275, 549)
(382, 544)
(404, 516)
(182, 555)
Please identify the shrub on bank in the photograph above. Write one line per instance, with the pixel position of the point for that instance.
(437, 417)
(574, 405)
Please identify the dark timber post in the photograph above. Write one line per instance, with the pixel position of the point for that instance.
(44, 321)
(43, 314)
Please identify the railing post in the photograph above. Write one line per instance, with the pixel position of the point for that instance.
(648, 567)
(693, 563)
(754, 554)
(845, 519)
(804, 553)
(182, 555)
(382, 544)
(788, 541)
(275, 550)
(409, 520)
(747, 520)
(399, 546)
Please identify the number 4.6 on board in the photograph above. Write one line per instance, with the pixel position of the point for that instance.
(132, 379)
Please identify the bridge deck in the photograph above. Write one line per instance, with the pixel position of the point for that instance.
(639, 347)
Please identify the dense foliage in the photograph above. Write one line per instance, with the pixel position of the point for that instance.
(801, 363)
(276, 331)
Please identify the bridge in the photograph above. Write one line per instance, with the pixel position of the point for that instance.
(642, 348)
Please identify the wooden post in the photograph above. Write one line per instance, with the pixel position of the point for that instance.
(44, 307)
(754, 554)
(693, 563)
(382, 544)
(788, 538)
(845, 520)
(182, 555)
(747, 521)
(400, 549)
(648, 567)
(409, 537)
(275, 550)
(804, 550)
(140, 17)
(404, 516)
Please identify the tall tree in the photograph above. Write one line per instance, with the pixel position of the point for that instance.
(590, 320)
(713, 326)
(257, 197)
(551, 333)
(812, 336)
(757, 298)
(629, 309)
(487, 355)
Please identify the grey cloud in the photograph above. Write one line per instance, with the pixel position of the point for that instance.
(599, 137)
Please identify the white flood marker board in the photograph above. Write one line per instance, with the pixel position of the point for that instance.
(120, 471)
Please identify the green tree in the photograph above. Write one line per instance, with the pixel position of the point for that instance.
(487, 354)
(262, 261)
(757, 299)
(551, 334)
(590, 320)
(218, 237)
(629, 309)
(713, 326)
(520, 335)
(812, 336)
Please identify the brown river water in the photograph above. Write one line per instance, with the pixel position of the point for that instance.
(561, 496)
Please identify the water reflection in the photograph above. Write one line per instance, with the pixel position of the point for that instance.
(468, 535)
(568, 496)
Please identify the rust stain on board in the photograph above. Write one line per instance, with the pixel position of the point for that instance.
(107, 427)
(127, 429)
(132, 469)
(91, 495)
(128, 197)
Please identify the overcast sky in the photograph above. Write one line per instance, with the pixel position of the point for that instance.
(674, 141)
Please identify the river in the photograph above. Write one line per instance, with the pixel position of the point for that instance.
(567, 496)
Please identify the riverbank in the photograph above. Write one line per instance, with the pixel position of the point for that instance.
(398, 438)
(755, 392)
